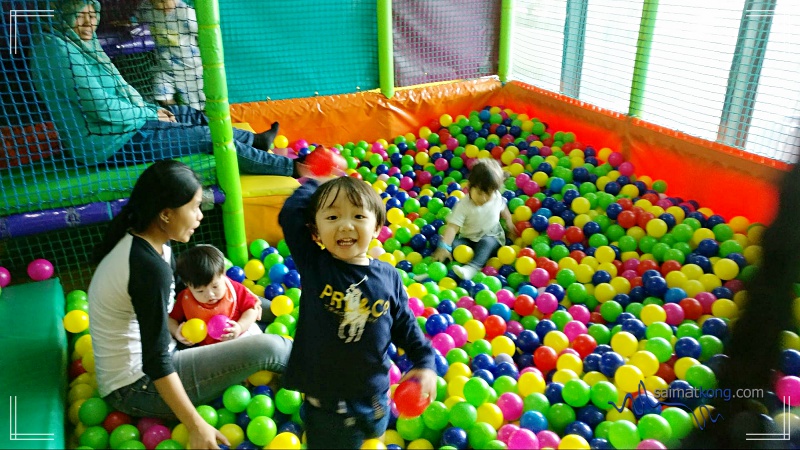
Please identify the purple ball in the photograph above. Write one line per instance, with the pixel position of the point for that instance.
(216, 326)
(5, 277)
(40, 269)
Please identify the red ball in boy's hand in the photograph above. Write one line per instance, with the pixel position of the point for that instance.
(323, 162)
(409, 400)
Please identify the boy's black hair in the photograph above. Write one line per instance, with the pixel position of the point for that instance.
(199, 265)
(486, 175)
(358, 193)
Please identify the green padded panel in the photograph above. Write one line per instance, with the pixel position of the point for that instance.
(34, 346)
(25, 189)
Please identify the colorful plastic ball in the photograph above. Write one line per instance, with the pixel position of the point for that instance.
(480, 434)
(511, 405)
(409, 399)
(76, 321)
(463, 254)
(194, 330)
(236, 273)
(216, 326)
(236, 398)
(288, 401)
(281, 305)
(155, 435)
(93, 411)
(123, 433)
(40, 269)
(788, 390)
(94, 437)
(5, 277)
(522, 439)
(261, 430)
(285, 440)
(573, 441)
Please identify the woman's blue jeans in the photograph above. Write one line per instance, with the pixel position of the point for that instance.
(205, 373)
(190, 135)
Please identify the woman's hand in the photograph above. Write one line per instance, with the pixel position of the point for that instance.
(441, 255)
(165, 115)
(179, 336)
(206, 436)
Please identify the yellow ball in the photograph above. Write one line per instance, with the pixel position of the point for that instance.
(739, 224)
(392, 437)
(233, 432)
(564, 375)
(281, 141)
(180, 434)
(557, 340)
(194, 330)
(448, 283)
(445, 120)
(463, 254)
(525, 265)
(83, 345)
(573, 441)
(726, 269)
(702, 416)
(285, 440)
(395, 215)
(529, 383)
(80, 391)
(476, 331)
(725, 308)
(503, 345)
(388, 258)
(76, 321)
(592, 378)
(373, 444)
(581, 205)
(257, 289)
(455, 386)
(281, 305)
(628, 377)
(72, 411)
(653, 313)
(604, 292)
(254, 269)
(420, 444)
(605, 254)
(261, 378)
(417, 290)
(491, 414)
(645, 361)
(682, 365)
(624, 343)
(570, 362)
(522, 214)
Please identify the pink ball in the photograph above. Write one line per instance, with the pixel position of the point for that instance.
(458, 333)
(384, 234)
(443, 342)
(788, 390)
(545, 151)
(574, 329)
(145, 423)
(531, 188)
(422, 144)
(675, 314)
(555, 231)
(40, 269)
(424, 177)
(510, 405)
(524, 439)
(406, 183)
(522, 179)
(518, 161)
(154, 435)
(615, 159)
(539, 277)
(394, 374)
(630, 264)
(651, 444)
(465, 302)
(706, 299)
(734, 285)
(506, 297)
(451, 143)
(441, 164)
(376, 147)
(416, 306)
(629, 274)
(5, 277)
(394, 171)
(216, 326)
(548, 438)
(546, 302)
(664, 203)
(479, 313)
(626, 168)
(580, 313)
(490, 271)
(505, 432)
(300, 143)
(514, 327)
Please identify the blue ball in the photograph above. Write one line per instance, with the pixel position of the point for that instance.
(292, 279)
(235, 273)
(715, 326)
(242, 419)
(790, 362)
(708, 248)
(277, 272)
(581, 429)
(454, 437)
(591, 363)
(656, 286)
(528, 341)
(507, 369)
(446, 307)
(441, 364)
(247, 445)
(534, 421)
(635, 327)
(590, 415)
(687, 346)
(263, 390)
(273, 290)
(527, 289)
(553, 393)
(545, 326)
(610, 362)
(435, 324)
(645, 404)
(419, 242)
(600, 444)
(502, 310)
(485, 374)
(291, 427)
(483, 361)
(674, 295)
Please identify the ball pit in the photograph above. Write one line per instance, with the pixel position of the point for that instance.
(613, 284)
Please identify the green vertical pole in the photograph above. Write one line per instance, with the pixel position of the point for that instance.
(645, 42)
(504, 52)
(219, 120)
(385, 48)
(745, 73)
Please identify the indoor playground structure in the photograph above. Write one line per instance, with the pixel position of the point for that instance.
(643, 142)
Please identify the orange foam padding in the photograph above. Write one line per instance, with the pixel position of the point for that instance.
(370, 116)
(727, 180)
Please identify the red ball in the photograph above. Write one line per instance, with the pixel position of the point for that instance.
(115, 419)
(533, 203)
(498, 151)
(644, 218)
(356, 175)
(636, 282)
(584, 344)
(545, 358)
(644, 266)
(692, 309)
(577, 255)
(670, 266)
(412, 216)
(573, 234)
(618, 264)
(650, 197)
(522, 225)
(524, 305)
(626, 219)
(75, 369)
(495, 326)
(596, 317)
(527, 251)
(666, 372)
(429, 311)
(321, 161)
(408, 399)
(626, 203)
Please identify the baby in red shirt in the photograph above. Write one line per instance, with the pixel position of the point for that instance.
(210, 292)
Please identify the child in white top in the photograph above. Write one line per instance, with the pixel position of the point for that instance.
(179, 71)
(474, 220)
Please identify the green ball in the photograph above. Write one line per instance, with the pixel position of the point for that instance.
(600, 333)
(94, 437)
(463, 415)
(566, 278)
(653, 426)
(476, 391)
(257, 247)
(462, 315)
(560, 252)
(480, 434)
(288, 401)
(576, 393)
(481, 346)
(681, 422)
(123, 433)
(601, 431)
(701, 377)
(441, 389)
(503, 384)
(410, 428)
(559, 416)
(682, 232)
(260, 405)
(277, 328)
(610, 310)
(660, 186)
(689, 330)
(272, 259)
(457, 355)
(659, 329)
(628, 244)
(486, 298)
(495, 444)
(635, 309)
(561, 318)
(403, 235)
(710, 345)
(93, 411)
(287, 321)
(169, 444)
(209, 414)
(660, 347)
(261, 430)
(436, 416)
(132, 445)
(576, 292)
(493, 283)
(236, 398)
(224, 417)
(283, 248)
(623, 434)
(603, 395)
(437, 271)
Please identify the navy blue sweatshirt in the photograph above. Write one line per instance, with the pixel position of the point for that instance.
(349, 314)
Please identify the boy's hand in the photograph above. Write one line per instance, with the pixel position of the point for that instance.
(426, 379)
(441, 255)
(179, 336)
(232, 332)
(258, 309)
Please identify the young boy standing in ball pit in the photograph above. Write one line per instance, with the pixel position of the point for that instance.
(474, 220)
(210, 292)
(352, 308)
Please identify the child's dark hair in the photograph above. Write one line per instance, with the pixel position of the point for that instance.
(199, 265)
(165, 184)
(486, 175)
(358, 193)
